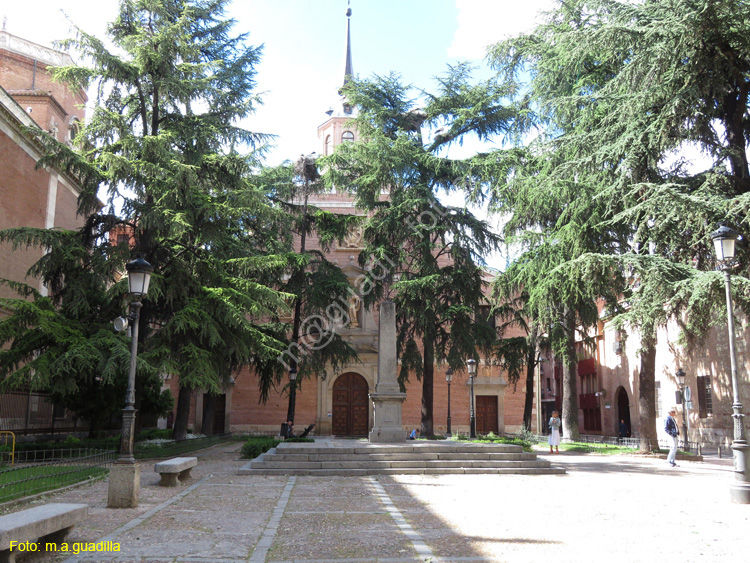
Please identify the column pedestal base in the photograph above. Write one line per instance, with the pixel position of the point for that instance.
(124, 485)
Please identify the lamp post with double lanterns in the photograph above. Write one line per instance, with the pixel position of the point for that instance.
(449, 379)
(124, 481)
(680, 374)
(472, 366)
(724, 241)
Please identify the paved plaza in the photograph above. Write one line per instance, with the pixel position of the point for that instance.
(609, 508)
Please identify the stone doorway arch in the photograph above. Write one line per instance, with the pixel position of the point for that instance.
(351, 406)
(623, 411)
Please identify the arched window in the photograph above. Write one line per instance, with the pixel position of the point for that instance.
(74, 127)
(347, 136)
(328, 145)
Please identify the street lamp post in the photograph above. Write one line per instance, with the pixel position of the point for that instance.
(680, 373)
(472, 365)
(448, 379)
(724, 239)
(124, 482)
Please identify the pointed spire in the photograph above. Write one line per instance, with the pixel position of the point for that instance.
(348, 70)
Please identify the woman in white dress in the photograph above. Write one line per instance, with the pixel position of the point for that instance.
(554, 432)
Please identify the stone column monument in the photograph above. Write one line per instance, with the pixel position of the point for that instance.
(387, 398)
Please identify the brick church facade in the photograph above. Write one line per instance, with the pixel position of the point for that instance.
(31, 196)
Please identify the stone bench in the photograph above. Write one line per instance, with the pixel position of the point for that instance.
(48, 523)
(174, 469)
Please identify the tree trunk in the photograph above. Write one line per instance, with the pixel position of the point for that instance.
(183, 413)
(570, 388)
(528, 403)
(209, 409)
(646, 395)
(427, 390)
(531, 363)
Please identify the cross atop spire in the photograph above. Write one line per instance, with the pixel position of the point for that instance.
(348, 70)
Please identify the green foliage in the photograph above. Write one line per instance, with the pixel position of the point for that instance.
(423, 255)
(155, 434)
(491, 438)
(257, 445)
(177, 169)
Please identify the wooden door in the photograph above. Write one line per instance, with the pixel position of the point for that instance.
(217, 412)
(220, 413)
(351, 406)
(486, 413)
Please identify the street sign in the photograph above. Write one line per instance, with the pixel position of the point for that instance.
(689, 405)
(688, 394)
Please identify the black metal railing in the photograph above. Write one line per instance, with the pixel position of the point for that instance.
(713, 449)
(45, 470)
(150, 451)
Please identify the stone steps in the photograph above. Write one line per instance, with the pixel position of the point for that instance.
(396, 459)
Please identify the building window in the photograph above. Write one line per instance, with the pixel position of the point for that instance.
(74, 128)
(485, 313)
(592, 419)
(58, 411)
(347, 136)
(705, 404)
(657, 399)
(328, 145)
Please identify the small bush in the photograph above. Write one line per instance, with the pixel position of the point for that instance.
(155, 434)
(494, 439)
(257, 445)
(300, 440)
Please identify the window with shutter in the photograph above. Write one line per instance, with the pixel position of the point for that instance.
(657, 399)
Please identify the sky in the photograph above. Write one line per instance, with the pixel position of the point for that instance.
(302, 64)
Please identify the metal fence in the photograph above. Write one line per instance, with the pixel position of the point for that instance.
(698, 448)
(149, 451)
(37, 471)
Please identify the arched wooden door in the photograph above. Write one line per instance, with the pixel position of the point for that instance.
(351, 406)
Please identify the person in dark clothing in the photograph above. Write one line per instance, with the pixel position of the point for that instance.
(670, 427)
(623, 429)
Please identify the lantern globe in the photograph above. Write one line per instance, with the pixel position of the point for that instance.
(139, 276)
(724, 241)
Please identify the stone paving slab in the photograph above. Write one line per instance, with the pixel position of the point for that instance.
(612, 508)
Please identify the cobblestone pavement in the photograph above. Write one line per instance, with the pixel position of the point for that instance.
(613, 508)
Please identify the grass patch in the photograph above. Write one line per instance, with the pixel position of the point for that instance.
(162, 447)
(605, 449)
(25, 481)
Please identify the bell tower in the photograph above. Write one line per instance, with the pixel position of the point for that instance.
(338, 128)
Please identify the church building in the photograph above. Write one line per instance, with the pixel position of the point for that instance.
(30, 196)
(339, 403)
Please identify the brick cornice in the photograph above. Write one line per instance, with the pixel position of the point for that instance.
(16, 119)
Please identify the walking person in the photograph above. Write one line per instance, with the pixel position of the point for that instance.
(670, 427)
(554, 432)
